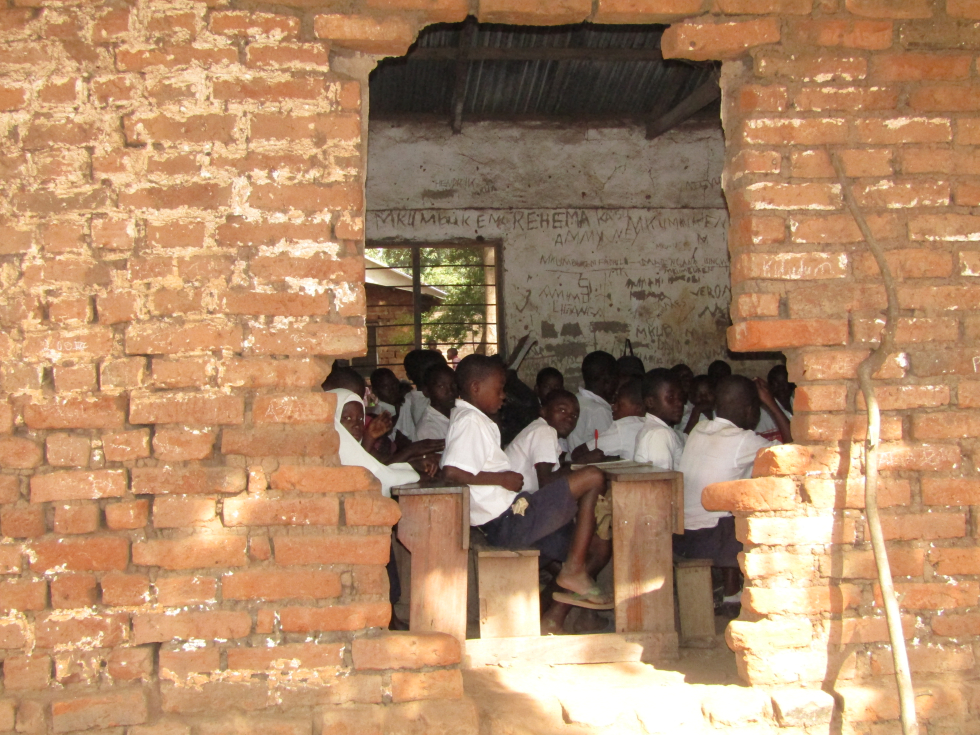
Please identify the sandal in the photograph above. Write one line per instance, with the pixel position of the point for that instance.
(593, 599)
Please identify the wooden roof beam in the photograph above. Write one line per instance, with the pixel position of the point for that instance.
(700, 98)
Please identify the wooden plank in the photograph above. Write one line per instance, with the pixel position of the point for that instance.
(493, 551)
(431, 530)
(429, 487)
(510, 605)
(697, 100)
(679, 504)
(694, 599)
(572, 649)
(643, 521)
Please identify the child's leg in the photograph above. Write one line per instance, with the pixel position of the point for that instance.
(553, 619)
(586, 485)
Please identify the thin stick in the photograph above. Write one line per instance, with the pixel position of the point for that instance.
(866, 370)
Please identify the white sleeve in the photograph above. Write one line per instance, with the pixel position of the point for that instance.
(655, 448)
(542, 446)
(749, 447)
(405, 423)
(610, 441)
(465, 448)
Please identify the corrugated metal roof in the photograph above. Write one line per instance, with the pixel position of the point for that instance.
(423, 82)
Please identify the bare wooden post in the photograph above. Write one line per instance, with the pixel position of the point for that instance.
(694, 598)
(510, 605)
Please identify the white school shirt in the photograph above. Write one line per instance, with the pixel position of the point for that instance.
(619, 440)
(716, 451)
(473, 445)
(688, 410)
(432, 426)
(595, 413)
(413, 409)
(659, 444)
(537, 442)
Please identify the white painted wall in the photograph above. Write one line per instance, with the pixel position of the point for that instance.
(606, 235)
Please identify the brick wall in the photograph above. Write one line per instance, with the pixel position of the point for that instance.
(180, 220)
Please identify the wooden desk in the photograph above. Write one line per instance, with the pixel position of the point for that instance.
(435, 528)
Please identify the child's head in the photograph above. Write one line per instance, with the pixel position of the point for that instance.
(719, 369)
(548, 379)
(685, 376)
(737, 399)
(345, 377)
(411, 363)
(385, 386)
(352, 419)
(779, 385)
(599, 374)
(662, 396)
(703, 392)
(452, 353)
(629, 399)
(440, 387)
(630, 366)
(480, 381)
(560, 410)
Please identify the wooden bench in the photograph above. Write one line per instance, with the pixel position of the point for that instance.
(510, 602)
(695, 600)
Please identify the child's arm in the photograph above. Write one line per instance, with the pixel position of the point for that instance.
(547, 473)
(769, 403)
(513, 481)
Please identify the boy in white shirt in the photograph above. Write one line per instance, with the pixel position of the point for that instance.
(440, 389)
(657, 442)
(619, 440)
(595, 413)
(536, 451)
(417, 363)
(508, 516)
(547, 380)
(720, 450)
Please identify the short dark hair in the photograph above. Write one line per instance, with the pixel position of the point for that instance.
(426, 361)
(632, 391)
(630, 365)
(475, 368)
(597, 364)
(776, 371)
(654, 380)
(558, 394)
(733, 392)
(681, 368)
(411, 362)
(345, 377)
(719, 369)
(435, 371)
(547, 373)
(382, 374)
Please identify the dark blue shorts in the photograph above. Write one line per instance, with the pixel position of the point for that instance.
(718, 544)
(547, 523)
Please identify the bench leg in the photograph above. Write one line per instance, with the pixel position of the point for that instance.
(510, 605)
(694, 599)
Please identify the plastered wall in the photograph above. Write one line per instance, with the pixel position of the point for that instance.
(606, 236)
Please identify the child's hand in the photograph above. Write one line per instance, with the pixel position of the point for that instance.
(380, 426)
(592, 455)
(513, 481)
(426, 446)
(764, 394)
(428, 467)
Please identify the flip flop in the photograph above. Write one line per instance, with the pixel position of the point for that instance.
(593, 599)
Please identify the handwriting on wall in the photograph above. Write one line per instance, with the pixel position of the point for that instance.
(585, 279)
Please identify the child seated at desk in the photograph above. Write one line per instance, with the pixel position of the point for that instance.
(440, 388)
(658, 442)
(619, 440)
(595, 413)
(508, 516)
(417, 363)
(548, 379)
(536, 451)
(720, 450)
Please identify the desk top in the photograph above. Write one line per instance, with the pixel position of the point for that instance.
(626, 470)
(430, 487)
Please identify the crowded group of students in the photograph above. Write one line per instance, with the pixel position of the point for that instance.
(478, 424)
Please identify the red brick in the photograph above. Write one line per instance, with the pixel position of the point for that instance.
(917, 67)
(904, 562)
(288, 55)
(58, 632)
(803, 600)
(304, 408)
(182, 511)
(117, 308)
(260, 372)
(247, 24)
(913, 526)
(406, 651)
(811, 68)
(284, 512)
(124, 374)
(75, 519)
(73, 591)
(780, 334)
(22, 594)
(96, 554)
(195, 552)
(950, 491)
(22, 522)
(189, 130)
(945, 425)
(922, 457)
(196, 195)
(323, 479)
(176, 235)
(280, 441)
(309, 198)
(906, 263)
(762, 98)
(411, 686)
(168, 407)
(78, 485)
(10, 559)
(103, 412)
(125, 589)
(286, 657)
(166, 339)
(944, 97)
(67, 450)
(177, 665)
(789, 266)
(759, 162)
(27, 672)
(180, 591)
(128, 515)
(835, 300)
(130, 664)
(961, 361)
(13, 635)
(933, 596)
(280, 585)
(371, 510)
(173, 57)
(951, 562)
(339, 549)
(814, 427)
(191, 373)
(258, 88)
(17, 453)
(909, 331)
(259, 548)
(340, 126)
(390, 36)
(752, 305)
(902, 130)
(890, 8)
(155, 627)
(944, 227)
(938, 297)
(183, 444)
(105, 710)
(968, 394)
(279, 303)
(711, 41)
(75, 378)
(356, 616)
(931, 160)
(790, 531)
(127, 445)
(892, 194)
(966, 193)
(794, 131)
(179, 480)
(900, 397)
(862, 34)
